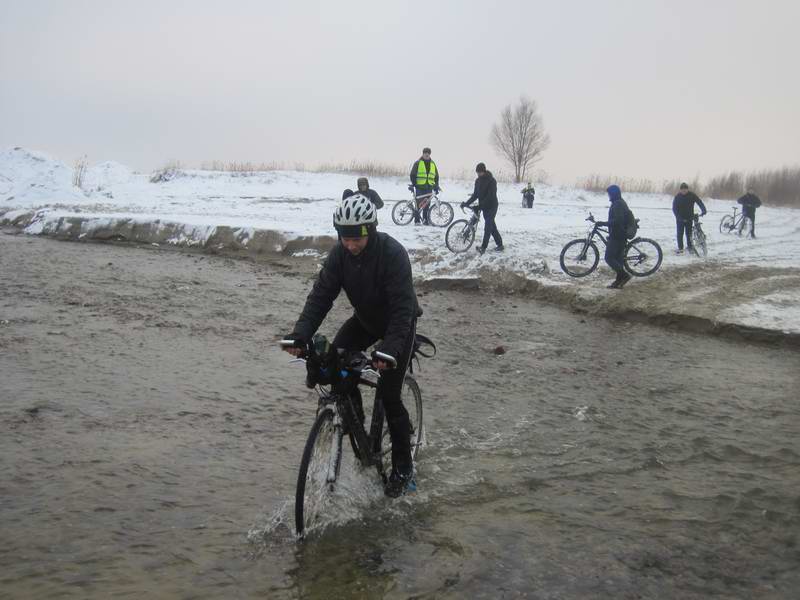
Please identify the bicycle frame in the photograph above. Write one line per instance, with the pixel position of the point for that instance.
(422, 202)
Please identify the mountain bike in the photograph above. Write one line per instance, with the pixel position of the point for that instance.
(337, 376)
(734, 222)
(461, 234)
(405, 211)
(699, 246)
(580, 257)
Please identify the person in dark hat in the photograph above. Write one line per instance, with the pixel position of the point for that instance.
(750, 202)
(683, 209)
(424, 181)
(485, 193)
(363, 188)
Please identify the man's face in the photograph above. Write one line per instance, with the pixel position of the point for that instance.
(426, 155)
(362, 187)
(355, 245)
(684, 191)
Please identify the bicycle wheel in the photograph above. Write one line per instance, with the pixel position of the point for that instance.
(441, 214)
(726, 224)
(643, 257)
(744, 226)
(578, 258)
(459, 236)
(699, 242)
(403, 212)
(412, 400)
(319, 468)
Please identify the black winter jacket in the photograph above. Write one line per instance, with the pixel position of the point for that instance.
(485, 191)
(749, 202)
(617, 219)
(379, 286)
(683, 206)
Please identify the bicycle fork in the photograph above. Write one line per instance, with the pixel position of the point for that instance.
(335, 454)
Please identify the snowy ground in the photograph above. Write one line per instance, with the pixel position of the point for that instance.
(754, 283)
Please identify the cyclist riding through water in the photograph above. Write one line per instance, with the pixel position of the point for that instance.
(375, 273)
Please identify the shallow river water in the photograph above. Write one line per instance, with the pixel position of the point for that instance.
(151, 430)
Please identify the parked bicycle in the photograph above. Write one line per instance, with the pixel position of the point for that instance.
(461, 234)
(699, 245)
(405, 211)
(739, 223)
(580, 257)
(337, 374)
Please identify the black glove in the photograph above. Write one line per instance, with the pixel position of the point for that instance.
(436, 189)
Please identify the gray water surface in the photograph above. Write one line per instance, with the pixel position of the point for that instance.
(150, 434)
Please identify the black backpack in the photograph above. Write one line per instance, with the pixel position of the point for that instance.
(631, 223)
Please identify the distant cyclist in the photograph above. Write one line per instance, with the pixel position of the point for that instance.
(375, 273)
(750, 202)
(485, 192)
(425, 179)
(683, 209)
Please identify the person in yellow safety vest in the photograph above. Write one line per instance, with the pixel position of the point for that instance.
(424, 179)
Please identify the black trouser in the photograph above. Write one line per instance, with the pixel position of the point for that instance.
(490, 228)
(615, 255)
(684, 225)
(353, 336)
(421, 191)
(529, 201)
(752, 217)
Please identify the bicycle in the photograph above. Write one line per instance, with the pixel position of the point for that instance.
(336, 375)
(699, 246)
(580, 257)
(461, 234)
(730, 223)
(440, 213)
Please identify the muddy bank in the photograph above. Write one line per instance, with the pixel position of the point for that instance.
(704, 297)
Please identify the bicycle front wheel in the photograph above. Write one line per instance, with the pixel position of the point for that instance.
(726, 224)
(403, 212)
(441, 214)
(319, 469)
(579, 259)
(412, 400)
(459, 236)
(643, 257)
(699, 242)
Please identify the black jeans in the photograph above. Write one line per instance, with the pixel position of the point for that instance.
(615, 255)
(684, 225)
(490, 228)
(752, 217)
(353, 336)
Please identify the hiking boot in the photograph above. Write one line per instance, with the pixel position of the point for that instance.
(679, 251)
(500, 248)
(480, 250)
(400, 484)
(626, 277)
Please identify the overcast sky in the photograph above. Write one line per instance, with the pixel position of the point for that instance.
(656, 89)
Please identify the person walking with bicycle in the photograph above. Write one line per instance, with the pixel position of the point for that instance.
(425, 179)
(375, 273)
(485, 193)
(750, 202)
(617, 236)
(683, 209)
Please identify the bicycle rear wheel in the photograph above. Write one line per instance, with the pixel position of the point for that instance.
(699, 242)
(643, 257)
(726, 224)
(412, 400)
(441, 214)
(459, 236)
(403, 212)
(319, 469)
(579, 259)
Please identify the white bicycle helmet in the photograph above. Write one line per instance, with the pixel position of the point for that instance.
(354, 216)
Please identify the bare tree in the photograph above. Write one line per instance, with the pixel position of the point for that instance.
(519, 137)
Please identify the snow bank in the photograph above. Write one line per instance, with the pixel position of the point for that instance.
(754, 283)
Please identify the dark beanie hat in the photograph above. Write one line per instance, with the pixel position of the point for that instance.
(684, 186)
(480, 168)
(426, 149)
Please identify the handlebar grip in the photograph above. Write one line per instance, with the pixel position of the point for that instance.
(385, 358)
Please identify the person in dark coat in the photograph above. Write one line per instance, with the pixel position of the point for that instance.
(374, 271)
(528, 195)
(617, 239)
(424, 180)
(683, 209)
(750, 202)
(363, 188)
(485, 193)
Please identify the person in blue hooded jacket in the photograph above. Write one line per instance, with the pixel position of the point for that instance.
(615, 248)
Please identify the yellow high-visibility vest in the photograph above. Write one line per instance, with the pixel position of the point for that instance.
(425, 177)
